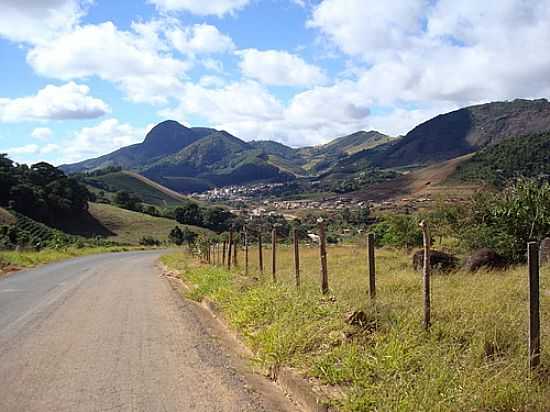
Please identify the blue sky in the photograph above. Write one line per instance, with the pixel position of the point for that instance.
(81, 78)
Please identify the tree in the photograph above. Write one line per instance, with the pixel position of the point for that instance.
(189, 214)
(188, 236)
(176, 236)
(505, 221)
(217, 219)
(128, 201)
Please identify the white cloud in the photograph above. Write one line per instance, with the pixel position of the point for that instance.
(212, 64)
(50, 148)
(38, 21)
(23, 150)
(42, 133)
(369, 27)
(211, 81)
(199, 39)
(202, 7)
(69, 101)
(279, 68)
(103, 138)
(236, 102)
(447, 51)
(134, 60)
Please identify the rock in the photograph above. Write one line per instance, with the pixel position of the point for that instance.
(484, 258)
(360, 319)
(545, 251)
(441, 261)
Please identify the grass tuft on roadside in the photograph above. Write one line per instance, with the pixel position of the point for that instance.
(474, 358)
(27, 259)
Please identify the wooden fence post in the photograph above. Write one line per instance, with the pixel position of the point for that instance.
(296, 257)
(534, 305)
(323, 256)
(372, 266)
(260, 254)
(274, 254)
(230, 249)
(426, 274)
(235, 250)
(224, 248)
(245, 252)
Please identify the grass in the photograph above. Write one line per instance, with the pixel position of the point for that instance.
(474, 358)
(121, 225)
(149, 193)
(6, 218)
(28, 259)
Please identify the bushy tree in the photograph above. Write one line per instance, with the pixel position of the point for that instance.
(505, 221)
(176, 236)
(399, 231)
(189, 214)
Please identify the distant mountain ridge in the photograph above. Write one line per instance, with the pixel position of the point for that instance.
(467, 130)
(196, 159)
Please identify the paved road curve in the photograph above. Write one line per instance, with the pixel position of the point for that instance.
(107, 333)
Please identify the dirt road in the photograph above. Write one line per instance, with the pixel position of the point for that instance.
(108, 333)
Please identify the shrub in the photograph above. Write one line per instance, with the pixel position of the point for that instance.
(506, 221)
(399, 231)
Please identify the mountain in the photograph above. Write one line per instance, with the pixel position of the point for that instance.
(196, 159)
(164, 139)
(355, 142)
(218, 159)
(528, 156)
(467, 130)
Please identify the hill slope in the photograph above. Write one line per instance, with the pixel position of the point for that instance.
(528, 156)
(120, 225)
(468, 130)
(147, 190)
(164, 139)
(218, 159)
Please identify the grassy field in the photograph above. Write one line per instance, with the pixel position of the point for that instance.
(6, 218)
(27, 259)
(130, 227)
(150, 192)
(474, 358)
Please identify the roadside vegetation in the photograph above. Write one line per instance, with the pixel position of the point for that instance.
(374, 355)
(15, 260)
(475, 357)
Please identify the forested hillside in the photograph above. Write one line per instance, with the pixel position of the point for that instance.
(41, 191)
(527, 156)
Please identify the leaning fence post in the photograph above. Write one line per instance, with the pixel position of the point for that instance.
(245, 252)
(372, 266)
(274, 254)
(296, 257)
(260, 254)
(323, 256)
(534, 305)
(229, 249)
(426, 274)
(235, 251)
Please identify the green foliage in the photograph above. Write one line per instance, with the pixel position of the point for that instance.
(399, 231)
(526, 156)
(474, 358)
(127, 200)
(176, 236)
(149, 241)
(41, 191)
(505, 221)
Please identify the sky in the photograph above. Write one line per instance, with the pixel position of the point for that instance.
(81, 78)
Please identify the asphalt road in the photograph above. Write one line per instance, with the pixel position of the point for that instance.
(108, 333)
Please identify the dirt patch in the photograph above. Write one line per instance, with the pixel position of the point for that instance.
(428, 181)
